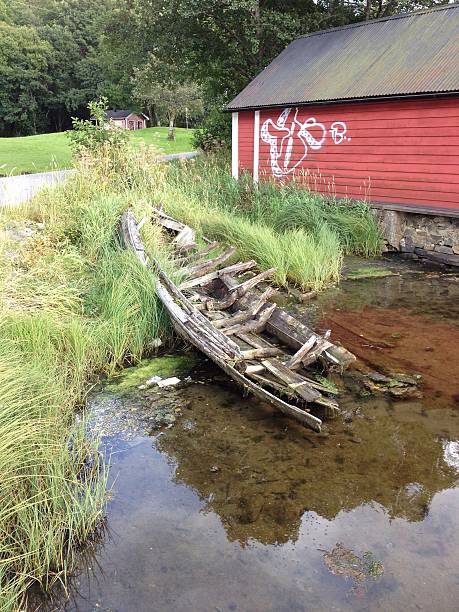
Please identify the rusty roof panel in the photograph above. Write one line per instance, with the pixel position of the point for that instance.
(404, 55)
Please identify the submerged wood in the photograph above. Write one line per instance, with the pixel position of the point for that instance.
(195, 328)
(264, 349)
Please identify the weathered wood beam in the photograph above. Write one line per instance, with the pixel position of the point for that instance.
(249, 284)
(298, 357)
(256, 325)
(264, 297)
(233, 319)
(258, 353)
(296, 383)
(207, 278)
(202, 253)
(208, 266)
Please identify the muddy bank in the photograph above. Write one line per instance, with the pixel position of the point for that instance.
(234, 507)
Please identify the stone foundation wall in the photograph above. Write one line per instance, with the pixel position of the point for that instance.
(436, 238)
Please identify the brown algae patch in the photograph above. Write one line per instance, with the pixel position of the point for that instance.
(397, 341)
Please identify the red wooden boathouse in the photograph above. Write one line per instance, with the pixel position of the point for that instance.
(366, 111)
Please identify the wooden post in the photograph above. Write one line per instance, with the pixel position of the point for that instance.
(256, 145)
(235, 146)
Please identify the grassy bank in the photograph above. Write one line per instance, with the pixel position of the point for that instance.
(52, 151)
(302, 234)
(73, 304)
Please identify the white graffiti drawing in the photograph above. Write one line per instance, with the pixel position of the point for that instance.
(283, 135)
(281, 138)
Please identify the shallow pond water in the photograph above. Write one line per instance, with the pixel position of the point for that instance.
(237, 508)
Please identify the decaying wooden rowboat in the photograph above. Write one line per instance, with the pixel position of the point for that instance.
(257, 344)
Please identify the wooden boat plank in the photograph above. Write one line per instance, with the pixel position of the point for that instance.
(207, 266)
(258, 353)
(233, 319)
(295, 382)
(249, 284)
(274, 384)
(197, 255)
(207, 278)
(255, 325)
(185, 239)
(301, 353)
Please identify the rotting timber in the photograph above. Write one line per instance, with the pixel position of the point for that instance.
(217, 310)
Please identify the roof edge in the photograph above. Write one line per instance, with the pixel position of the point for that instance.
(427, 94)
(359, 24)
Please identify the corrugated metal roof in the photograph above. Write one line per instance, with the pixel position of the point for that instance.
(404, 55)
(117, 114)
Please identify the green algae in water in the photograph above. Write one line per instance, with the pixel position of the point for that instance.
(369, 272)
(165, 367)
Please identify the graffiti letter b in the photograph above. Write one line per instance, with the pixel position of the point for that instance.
(338, 131)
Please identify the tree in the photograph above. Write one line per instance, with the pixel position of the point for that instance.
(223, 44)
(159, 87)
(24, 79)
(71, 31)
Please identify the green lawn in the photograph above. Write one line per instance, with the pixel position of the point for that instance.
(52, 151)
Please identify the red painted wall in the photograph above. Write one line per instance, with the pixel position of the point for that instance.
(395, 151)
(245, 136)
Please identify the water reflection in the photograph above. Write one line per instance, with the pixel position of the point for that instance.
(237, 508)
(261, 473)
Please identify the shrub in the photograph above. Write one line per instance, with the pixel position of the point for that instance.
(214, 133)
(88, 135)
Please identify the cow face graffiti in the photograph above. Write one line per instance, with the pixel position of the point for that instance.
(288, 134)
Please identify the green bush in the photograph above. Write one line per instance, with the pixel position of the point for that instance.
(88, 135)
(214, 133)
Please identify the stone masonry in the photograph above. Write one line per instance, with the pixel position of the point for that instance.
(433, 237)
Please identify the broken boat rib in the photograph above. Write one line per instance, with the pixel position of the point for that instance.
(258, 345)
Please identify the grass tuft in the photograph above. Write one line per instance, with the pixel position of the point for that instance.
(73, 304)
(300, 233)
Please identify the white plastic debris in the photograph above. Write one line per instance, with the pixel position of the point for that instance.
(167, 382)
(154, 380)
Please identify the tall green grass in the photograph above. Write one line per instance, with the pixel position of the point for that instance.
(73, 304)
(280, 207)
(302, 234)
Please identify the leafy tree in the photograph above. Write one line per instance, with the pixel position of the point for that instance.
(223, 44)
(73, 72)
(158, 85)
(24, 78)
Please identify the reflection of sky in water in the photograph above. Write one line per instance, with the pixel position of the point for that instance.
(234, 510)
(451, 453)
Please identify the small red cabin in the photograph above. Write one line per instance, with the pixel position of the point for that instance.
(366, 111)
(127, 119)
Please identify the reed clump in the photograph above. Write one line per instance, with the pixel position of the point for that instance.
(73, 304)
(302, 234)
(282, 208)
